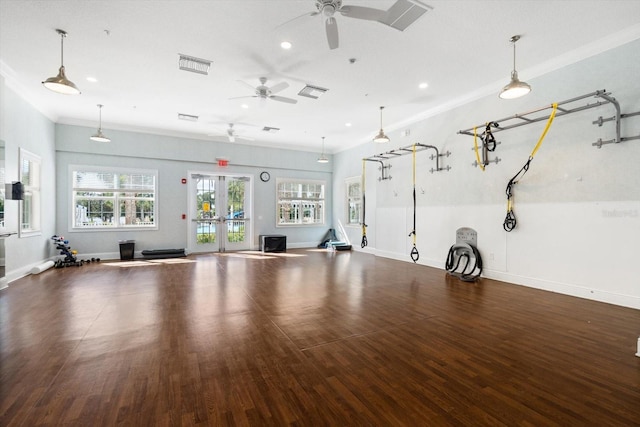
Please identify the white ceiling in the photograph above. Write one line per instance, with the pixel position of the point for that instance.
(460, 48)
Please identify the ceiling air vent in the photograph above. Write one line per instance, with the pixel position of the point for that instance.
(404, 13)
(193, 64)
(314, 92)
(270, 129)
(187, 117)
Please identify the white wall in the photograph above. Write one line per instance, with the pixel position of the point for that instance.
(578, 207)
(174, 158)
(26, 128)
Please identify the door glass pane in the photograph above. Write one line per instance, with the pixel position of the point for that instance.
(235, 216)
(206, 210)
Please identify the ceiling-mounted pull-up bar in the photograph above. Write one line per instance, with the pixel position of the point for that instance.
(409, 149)
(563, 109)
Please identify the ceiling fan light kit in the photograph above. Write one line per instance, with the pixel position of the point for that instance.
(515, 88)
(264, 92)
(99, 136)
(60, 83)
(381, 138)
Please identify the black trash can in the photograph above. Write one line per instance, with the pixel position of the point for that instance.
(126, 249)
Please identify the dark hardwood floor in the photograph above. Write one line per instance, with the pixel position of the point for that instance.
(308, 338)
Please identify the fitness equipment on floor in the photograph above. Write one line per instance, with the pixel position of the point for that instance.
(464, 250)
(70, 258)
(163, 253)
(330, 241)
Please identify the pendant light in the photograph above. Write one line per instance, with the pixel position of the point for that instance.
(323, 158)
(60, 83)
(381, 137)
(99, 136)
(515, 88)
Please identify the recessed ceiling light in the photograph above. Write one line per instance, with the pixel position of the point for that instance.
(245, 106)
(92, 79)
(286, 45)
(348, 125)
(423, 85)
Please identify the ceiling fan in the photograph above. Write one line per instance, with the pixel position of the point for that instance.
(264, 92)
(328, 8)
(232, 134)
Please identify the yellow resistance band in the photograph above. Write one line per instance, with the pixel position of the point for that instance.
(475, 144)
(364, 206)
(546, 129)
(510, 220)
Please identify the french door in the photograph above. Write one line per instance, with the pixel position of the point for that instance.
(220, 207)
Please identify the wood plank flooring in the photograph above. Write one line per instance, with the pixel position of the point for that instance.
(308, 338)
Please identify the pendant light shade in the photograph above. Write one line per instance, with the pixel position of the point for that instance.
(99, 136)
(381, 137)
(515, 88)
(323, 158)
(60, 83)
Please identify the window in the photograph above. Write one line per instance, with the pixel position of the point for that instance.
(354, 200)
(30, 204)
(2, 188)
(113, 199)
(300, 202)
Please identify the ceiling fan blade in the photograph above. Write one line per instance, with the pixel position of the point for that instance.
(361, 12)
(297, 17)
(331, 27)
(240, 97)
(283, 99)
(247, 85)
(279, 87)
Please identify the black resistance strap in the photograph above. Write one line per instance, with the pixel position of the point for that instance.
(414, 251)
(364, 209)
(464, 251)
(488, 139)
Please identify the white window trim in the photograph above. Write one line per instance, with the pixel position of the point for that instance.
(110, 169)
(36, 212)
(347, 183)
(301, 181)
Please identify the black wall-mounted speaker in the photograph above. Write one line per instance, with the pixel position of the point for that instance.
(14, 191)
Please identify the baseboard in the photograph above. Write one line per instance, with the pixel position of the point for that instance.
(599, 295)
(622, 300)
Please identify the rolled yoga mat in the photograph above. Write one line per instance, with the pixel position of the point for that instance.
(42, 267)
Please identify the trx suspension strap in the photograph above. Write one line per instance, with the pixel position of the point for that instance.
(414, 251)
(487, 137)
(510, 220)
(475, 145)
(364, 210)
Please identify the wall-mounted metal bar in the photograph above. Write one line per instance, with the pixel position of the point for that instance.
(398, 152)
(605, 98)
(522, 118)
(384, 169)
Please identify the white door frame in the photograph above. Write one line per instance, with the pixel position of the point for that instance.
(193, 247)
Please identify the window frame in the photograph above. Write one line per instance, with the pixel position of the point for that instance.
(117, 196)
(348, 183)
(32, 195)
(322, 200)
